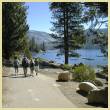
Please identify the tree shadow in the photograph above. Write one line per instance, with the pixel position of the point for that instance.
(10, 65)
(43, 67)
(16, 76)
(98, 105)
(83, 93)
(61, 81)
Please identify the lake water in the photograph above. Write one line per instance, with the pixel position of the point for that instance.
(92, 57)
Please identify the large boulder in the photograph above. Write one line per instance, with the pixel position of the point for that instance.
(98, 96)
(64, 76)
(100, 75)
(87, 86)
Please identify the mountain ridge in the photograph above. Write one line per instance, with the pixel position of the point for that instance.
(44, 37)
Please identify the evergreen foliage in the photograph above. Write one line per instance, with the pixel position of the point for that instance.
(43, 46)
(67, 25)
(33, 46)
(97, 14)
(14, 28)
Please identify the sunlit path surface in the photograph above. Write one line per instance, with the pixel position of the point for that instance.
(37, 91)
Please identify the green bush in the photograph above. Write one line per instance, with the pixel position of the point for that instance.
(40, 59)
(66, 67)
(83, 73)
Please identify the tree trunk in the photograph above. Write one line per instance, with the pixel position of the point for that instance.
(66, 36)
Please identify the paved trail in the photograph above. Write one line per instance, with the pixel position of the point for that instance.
(38, 91)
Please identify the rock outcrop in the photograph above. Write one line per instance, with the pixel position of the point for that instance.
(98, 96)
(87, 86)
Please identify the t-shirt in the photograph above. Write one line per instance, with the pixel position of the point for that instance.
(16, 63)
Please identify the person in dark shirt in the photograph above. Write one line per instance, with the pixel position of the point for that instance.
(32, 66)
(25, 64)
(36, 65)
(16, 64)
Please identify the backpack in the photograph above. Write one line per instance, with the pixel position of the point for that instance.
(16, 63)
(31, 64)
(25, 62)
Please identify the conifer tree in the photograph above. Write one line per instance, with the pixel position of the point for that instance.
(14, 28)
(97, 14)
(67, 25)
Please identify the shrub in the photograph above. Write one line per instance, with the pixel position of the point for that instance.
(40, 59)
(83, 73)
(76, 65)
(66, 67)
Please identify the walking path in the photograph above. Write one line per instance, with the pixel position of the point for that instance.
(38, 91)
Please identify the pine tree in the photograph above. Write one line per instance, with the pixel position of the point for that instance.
(14, 28)
(37, 49)
(67, 25)
(43, 46)
(97, 14)
(33, 46)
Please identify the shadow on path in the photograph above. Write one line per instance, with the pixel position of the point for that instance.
(97, 105)
(16, 76)
(83, 93)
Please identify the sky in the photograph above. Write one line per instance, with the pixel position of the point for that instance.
(39, 16)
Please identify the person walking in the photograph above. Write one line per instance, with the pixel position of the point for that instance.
(36, 65)
(25, 64)
(32, 66)
(16, 64)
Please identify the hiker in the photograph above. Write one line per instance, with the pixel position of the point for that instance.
(16, 64)
(32, 66)
(36, 65)
(25, 64)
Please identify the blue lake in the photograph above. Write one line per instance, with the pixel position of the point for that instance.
(92, 57)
